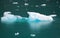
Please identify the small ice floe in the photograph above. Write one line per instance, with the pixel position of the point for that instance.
(14, 2)
(37, 16)
(9, 18)
(17, 33)
(26, 4)
(43, 4)
(32, 35)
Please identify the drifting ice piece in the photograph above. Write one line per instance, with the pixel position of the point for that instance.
(9, 18)
(33, 16)
(37, 20)
(43, 4)
(16, 33)
(37, 16)
(32, 35)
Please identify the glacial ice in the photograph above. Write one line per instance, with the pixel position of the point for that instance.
(33, 16)
(9, 18)
(37, 16)
(35, 19)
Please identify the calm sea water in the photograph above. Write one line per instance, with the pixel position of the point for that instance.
(8, 31)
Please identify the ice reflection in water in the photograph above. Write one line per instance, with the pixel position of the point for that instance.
(37, 25)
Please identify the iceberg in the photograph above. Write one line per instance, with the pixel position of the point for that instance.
(37, 20)
(41, 17)
(9, 18)
(33, 16)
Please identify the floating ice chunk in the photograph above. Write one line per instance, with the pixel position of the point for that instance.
(33, 16)
(33, 35)
(26, 4)
(16, 33)
(43, 4)
(9, 18)
(15, 3)
(36, 20)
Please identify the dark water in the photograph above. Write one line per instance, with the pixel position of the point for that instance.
(8, 31)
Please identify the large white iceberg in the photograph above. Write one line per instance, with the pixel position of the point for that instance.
(33, 16)
(35, 20)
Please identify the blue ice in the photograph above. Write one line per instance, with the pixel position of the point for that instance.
(35, 20)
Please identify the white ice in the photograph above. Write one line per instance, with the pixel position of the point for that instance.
(34, 16)
(26, 4)
(16, 33)
(36, 20)
(32, 35)
(43, 4)
(9, 18)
